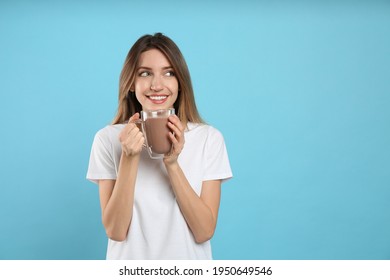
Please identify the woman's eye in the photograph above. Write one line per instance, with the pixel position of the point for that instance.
(170, 74)
(144, 74)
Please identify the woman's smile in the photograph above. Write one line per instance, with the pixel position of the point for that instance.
(158, 99)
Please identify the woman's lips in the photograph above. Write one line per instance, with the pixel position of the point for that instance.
(158, 99)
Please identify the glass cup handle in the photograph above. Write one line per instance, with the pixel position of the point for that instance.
(140, 124)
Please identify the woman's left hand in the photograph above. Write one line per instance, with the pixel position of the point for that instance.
(177, 138)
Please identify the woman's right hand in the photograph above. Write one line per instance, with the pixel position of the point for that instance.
(131, 137)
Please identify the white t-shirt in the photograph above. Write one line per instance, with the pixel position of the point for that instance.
(158, 229)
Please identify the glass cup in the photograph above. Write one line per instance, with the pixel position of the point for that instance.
(154, 126)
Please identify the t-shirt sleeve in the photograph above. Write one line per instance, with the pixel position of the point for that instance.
(101, 162)
(217, 165)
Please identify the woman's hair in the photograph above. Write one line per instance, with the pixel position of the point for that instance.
(185, 106)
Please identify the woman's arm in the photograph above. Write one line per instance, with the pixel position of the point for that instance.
(117, 196)
(117, 199)
(200, 212)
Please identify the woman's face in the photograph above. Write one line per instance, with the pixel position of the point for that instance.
(156, 86)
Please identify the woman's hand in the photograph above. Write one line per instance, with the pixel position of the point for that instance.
(131, 137)
(177, 138)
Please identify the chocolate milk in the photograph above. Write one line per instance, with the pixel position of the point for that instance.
(157, 132)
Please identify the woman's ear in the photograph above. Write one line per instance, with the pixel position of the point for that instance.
(132, 88)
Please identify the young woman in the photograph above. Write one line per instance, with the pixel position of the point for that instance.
(158, 209)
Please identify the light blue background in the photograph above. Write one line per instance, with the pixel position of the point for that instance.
(300, 90)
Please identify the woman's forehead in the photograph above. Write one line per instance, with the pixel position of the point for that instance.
(153, 57)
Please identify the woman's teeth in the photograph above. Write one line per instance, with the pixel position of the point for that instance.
(159, 97)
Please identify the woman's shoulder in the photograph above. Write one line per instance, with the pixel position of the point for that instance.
(202, 128)
(109, 131)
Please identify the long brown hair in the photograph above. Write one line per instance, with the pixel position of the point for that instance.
(185, 106)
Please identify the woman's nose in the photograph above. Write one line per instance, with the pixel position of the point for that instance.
(156, 83)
